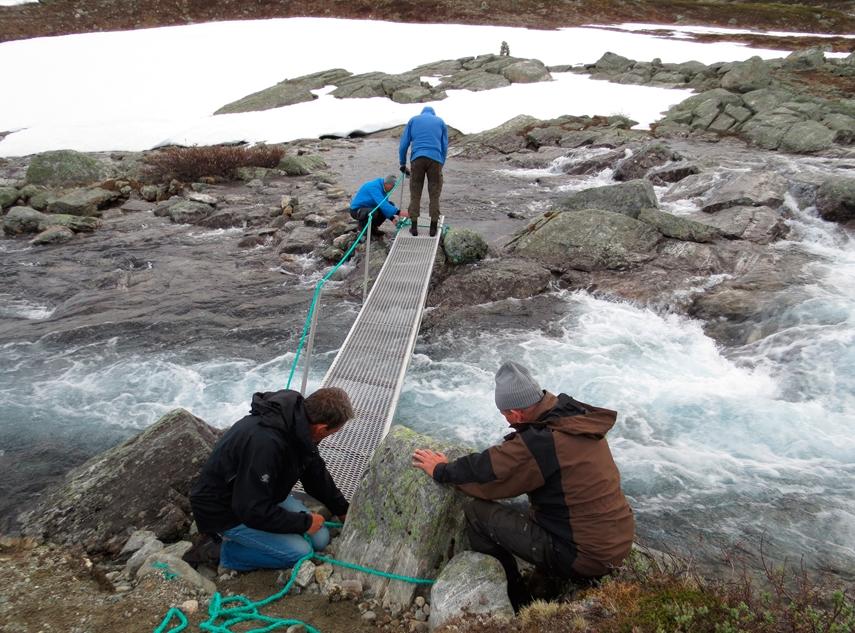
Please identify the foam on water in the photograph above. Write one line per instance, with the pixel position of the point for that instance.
(13, 308)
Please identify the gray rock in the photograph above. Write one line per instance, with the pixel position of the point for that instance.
(87, 202)
(188, 212)
(807, 137)
(78, 224)
(588, 240)
(204, 198)
(721, 123)
(594, 164)
(737, 113)
(464, 246)
(361, 86)
(400, 520)
(301, 165)
(470, 584)
(694, 186)
(415, 94)
(758, 224)
(627, 198)
(21, 220)
(178, 549)
(765, 99)
(303, 239)
(306, 574)
(750, 188)
(835, 199)
(671, 173)
(526, 71)
(62, 168)
(154, 566)
(151, 192)
(137, 206)
(286, 92)
(612, 62)
(490, 281)
(149, 547)
(642, 160)
(677, 227)
(506, 138)
(669, 77)
(8, 196)
(315, 220)
(53, 235)
(136, 541)
(805, 59)
(100, 502)
(746, 76)
(474, 80)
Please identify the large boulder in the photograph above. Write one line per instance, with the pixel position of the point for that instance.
(642, 160)
(8, 196)
(526, 71)
(805, 59)
(806, 137)
(755, 224)
(764, 188)
(835, 199)
(588, 240)
(464, 246)
(471, 584)
(475, 80)
(303, 239)
(53, 235)
(400, 520)
(677, 227)
(490, 281)
(508, 137)
(361, 86)
(83, 201)
(628, 198)
(62, 168)
(286, 92)
(302, 165)
(22, 220)
(185, 211)
(141, 484)
(746, 76)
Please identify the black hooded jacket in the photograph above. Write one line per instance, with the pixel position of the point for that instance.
(255, 465)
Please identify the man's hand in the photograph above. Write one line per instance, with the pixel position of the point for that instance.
(405, 170)
(317, 523)
(342, 517)
(428, 460)
(403, 213)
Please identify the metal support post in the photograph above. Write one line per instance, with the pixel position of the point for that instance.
(367, 257)
(311, 343)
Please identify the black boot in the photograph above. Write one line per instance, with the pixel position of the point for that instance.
(414, 229)
(433, 226)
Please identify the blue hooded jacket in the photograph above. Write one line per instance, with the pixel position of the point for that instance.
(428, 135)
(370, 195)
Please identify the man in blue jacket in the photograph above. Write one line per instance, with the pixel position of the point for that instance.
(243, 494)
(373, 194)
(428, 135)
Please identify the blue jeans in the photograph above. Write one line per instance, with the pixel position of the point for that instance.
(245, 548)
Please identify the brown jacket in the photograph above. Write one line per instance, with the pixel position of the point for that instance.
(563, 463)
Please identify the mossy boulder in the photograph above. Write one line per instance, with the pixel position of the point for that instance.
(806, 137)
(62, 168)
(464, 246)
(752, 74)
(21, 220)
(83, 201)
(301, 165)
(588, 240)
(141, 484)
(53, 235)
(835, 199)
(627, 198)
(285, 93)
(8, 196)
(678, 228)
(400, 520)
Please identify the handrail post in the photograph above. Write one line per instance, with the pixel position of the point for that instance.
(367, 257)
(311, 342)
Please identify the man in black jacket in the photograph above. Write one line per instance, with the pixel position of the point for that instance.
(243, 493)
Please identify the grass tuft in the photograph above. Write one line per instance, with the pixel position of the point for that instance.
(189, 164)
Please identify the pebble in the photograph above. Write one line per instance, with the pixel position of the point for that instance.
(418, 627)
(122, 588)
(190, 606)
(369, 616)
(420, 615)
(426, 609)
(295, 628)
(420, 601)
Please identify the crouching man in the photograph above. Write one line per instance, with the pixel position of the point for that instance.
(243, 493)
(579, 525)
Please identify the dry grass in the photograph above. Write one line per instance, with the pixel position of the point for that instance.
(189, 164)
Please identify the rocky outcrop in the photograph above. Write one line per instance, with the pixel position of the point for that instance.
(86, 202)
(628, 198)
(835, 199)
(63, 168)
(141, 484)
(400, 520)
(644, 159)
(21, 220)
(489, 281)
(677, 227)
(756, 224)
(184, 211)
(286, 92)
(53, 235)
(587, 240)
(8, 197)
(754, 189)
(471, 584)
(463, 246)
(301, 165)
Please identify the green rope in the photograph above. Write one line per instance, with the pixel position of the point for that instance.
(248, 610)
(325, 278)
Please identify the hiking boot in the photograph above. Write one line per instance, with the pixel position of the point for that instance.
(433, 226)
(414, 229)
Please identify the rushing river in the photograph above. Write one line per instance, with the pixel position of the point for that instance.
(737, 445)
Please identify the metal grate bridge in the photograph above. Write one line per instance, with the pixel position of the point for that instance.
(373, 360)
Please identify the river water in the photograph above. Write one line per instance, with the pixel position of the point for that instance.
(716, 446)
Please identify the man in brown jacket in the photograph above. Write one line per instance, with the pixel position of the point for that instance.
(579, 525)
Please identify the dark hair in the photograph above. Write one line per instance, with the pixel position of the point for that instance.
(329, 406)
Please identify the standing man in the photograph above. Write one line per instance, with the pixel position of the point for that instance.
(579, 525)
(374, 195)
(243, 494)
(428, 135)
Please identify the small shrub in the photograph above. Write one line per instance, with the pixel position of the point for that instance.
(189, 164)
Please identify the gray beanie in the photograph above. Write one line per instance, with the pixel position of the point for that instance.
(390, 180)
(515, 387)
